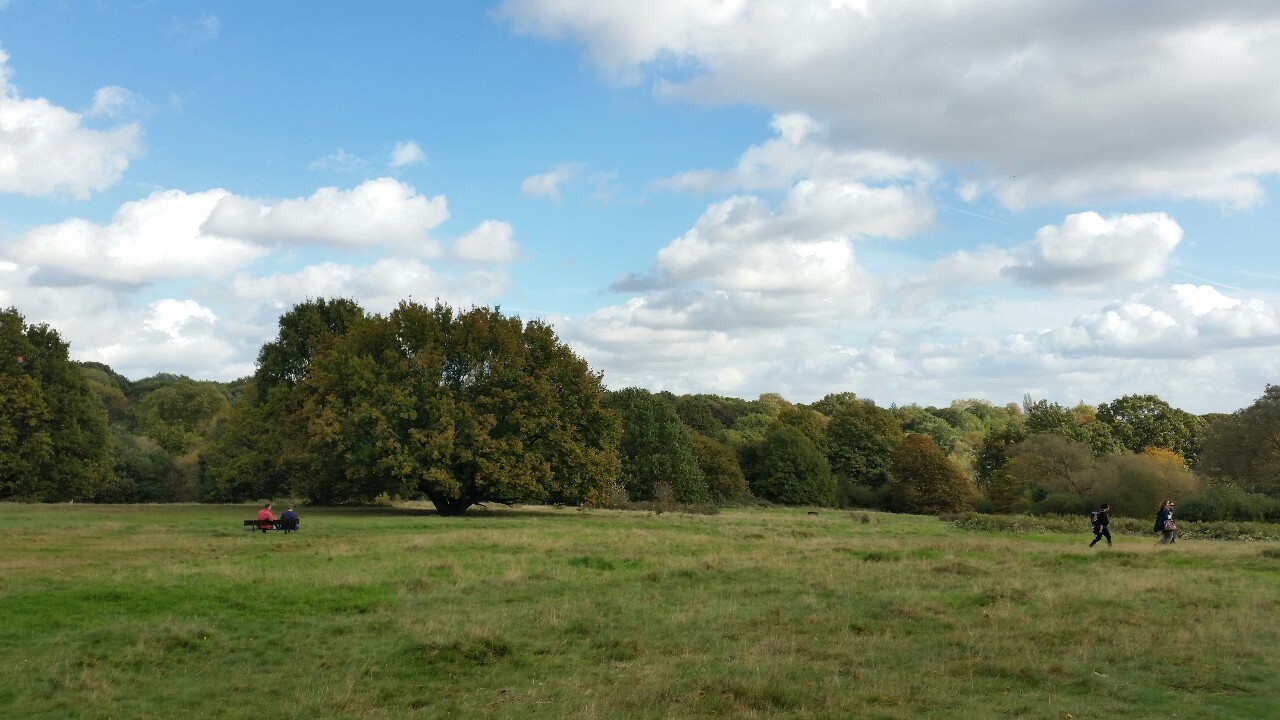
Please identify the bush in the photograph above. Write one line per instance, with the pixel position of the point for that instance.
(1226, 503)
(1061, 504)
(861, 496)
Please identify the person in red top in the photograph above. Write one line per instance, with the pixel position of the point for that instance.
(266, 518)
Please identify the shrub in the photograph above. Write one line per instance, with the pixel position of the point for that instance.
(1224, 503)
(1061, 504)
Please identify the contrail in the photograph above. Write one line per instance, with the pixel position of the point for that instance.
(977, 215)
(1207, 280)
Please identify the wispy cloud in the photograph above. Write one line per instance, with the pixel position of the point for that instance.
(407, 152)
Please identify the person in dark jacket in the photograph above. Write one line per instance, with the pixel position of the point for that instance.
(1101, 525)
(288, 519)
(1164, 524)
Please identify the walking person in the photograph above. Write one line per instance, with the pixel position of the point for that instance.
(1164, 524)
(1101, 525)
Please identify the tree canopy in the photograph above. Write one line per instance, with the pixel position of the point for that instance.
(55, 442)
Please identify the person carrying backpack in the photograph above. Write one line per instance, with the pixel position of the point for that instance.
(1101, 524)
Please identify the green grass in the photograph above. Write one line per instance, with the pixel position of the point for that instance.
(159, 611)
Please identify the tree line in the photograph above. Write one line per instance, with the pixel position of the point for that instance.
(466, 407)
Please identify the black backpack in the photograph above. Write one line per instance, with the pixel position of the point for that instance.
(1093, 517)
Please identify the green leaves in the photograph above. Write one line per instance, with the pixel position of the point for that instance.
(54, 440)
(459, 408)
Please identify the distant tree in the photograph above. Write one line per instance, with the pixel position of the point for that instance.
(993, 451)
(55, 444)
(923, 480)
(861, 439)
(915, 419)
(719, 464)
(810, 422)
(832, 403)
(109, 387)
(145, 471)
(696, 413)
(749, 430)
(1079, 424)
(791, 469)
(1244, 448)
(1141, 421)
(1008, 494)
(1054, 464)
(181, 416)
(656, 447)
(257, 450)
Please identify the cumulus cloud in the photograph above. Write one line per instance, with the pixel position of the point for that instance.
(491, 242)
(1032, 102)
(172, 234)
(1176, 322)
(46, 149)
(907, 362)
(407, 152)
(382, 211)
(1089, 250)
(548, 184)
(156, 238)
(1086, 253)
(378, 287)
(801, 149)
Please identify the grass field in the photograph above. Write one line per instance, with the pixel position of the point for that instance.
(162, 612)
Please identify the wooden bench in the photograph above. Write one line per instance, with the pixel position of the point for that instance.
(265, 525)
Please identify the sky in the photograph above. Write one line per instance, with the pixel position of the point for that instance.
(915, 202)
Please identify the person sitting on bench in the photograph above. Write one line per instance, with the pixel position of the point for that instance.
(288, 519)
(266, 518)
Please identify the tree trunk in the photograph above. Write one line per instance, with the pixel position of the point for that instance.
(447, 506)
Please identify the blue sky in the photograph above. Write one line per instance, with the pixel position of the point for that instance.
(915, 202)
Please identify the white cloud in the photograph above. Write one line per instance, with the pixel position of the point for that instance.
(491, 242)
(1033, 102)
(407, 152)
(1086, 253)
(147, 240)
(376, 212)
(340, 161)
(171, 234)
(45, 149)
(1181, 321)
(1088, 250)
(548, 184)
(378, 287)
(801, 150)
(113, 101)
(904, 362)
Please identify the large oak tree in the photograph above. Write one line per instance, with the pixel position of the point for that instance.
(460, 407)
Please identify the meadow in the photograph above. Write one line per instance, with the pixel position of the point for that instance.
(175, 611)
